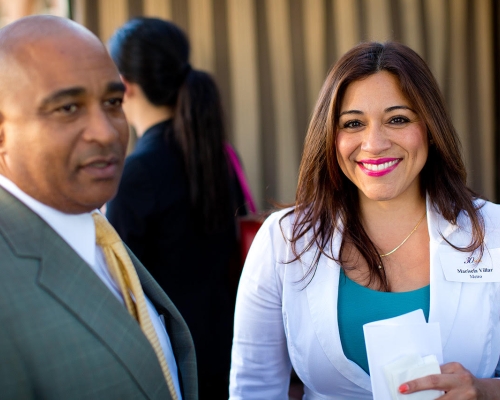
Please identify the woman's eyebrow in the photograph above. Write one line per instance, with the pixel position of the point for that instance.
(350, 112)
(389, 109)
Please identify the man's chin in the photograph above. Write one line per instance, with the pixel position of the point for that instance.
(84, 204)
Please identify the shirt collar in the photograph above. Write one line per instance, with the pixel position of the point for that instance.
(77, 230)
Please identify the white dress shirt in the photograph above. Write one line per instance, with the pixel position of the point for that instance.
(78, 230)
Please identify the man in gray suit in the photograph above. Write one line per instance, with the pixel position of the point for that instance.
(64, 330)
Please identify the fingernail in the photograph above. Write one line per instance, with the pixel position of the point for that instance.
(403, 388)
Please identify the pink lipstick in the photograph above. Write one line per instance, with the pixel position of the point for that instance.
(378, 167)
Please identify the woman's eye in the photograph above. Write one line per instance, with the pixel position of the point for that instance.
(399, 120)
(352, 124)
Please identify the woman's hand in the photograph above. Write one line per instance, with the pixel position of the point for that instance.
(457, 383)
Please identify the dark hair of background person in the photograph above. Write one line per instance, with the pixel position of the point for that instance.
(324, 193)
(161, 68)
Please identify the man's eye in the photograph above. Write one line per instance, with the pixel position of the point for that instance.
(114, 102)
(68, 109)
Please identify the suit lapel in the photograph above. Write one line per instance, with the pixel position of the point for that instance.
(69, 280)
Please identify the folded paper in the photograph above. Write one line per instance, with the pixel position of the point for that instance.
(408, 368)
(403, 341)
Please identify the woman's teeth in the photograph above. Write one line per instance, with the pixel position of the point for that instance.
(379, 167)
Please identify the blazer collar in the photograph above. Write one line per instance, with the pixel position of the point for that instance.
(71, 282)
(438, 227)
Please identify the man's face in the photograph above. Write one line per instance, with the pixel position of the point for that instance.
(63, 134)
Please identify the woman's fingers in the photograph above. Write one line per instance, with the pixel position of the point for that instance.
(455, 381)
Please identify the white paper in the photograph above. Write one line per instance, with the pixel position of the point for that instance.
(391, 339)
(396, 367)
(422, 367)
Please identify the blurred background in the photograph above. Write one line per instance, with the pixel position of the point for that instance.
(270, 58)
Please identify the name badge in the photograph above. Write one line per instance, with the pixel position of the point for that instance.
(464, 267)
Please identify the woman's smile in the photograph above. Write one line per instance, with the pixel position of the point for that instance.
(379, 167)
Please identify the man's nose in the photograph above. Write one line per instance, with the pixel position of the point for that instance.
(100, 127)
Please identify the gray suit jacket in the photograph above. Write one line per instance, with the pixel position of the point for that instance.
(63, 334)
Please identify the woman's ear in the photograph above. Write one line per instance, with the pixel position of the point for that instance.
(129, 86)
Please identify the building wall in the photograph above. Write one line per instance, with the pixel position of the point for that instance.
(270, 57)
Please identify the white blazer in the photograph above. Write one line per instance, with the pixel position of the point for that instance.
(281, 322)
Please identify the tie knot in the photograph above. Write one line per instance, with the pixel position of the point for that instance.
(105, 234)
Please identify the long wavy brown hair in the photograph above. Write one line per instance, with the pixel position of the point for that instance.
(327, 202)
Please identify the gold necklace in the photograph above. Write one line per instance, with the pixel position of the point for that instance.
(404, 241)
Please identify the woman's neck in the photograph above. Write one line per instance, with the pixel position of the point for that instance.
(148, 116)
(391, 215)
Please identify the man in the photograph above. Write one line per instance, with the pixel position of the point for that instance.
(64, 330)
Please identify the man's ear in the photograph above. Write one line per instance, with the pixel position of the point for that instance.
(2, 134)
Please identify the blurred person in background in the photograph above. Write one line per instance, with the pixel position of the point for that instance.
(177, 201)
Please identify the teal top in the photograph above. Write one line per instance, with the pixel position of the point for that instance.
(359, 305)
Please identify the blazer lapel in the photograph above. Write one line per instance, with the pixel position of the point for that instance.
(66, 277)
(322, 296)
(444, 295)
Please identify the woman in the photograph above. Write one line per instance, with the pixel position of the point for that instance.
(177, 200)
(382, 219)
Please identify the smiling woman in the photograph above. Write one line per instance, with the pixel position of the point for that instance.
(382, 216)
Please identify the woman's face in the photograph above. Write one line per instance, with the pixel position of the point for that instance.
(381, 142)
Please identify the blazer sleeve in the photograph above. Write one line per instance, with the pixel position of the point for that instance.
(260, 365)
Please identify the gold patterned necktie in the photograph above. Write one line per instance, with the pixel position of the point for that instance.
(123, 272)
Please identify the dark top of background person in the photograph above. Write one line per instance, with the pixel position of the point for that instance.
(155, 54)
(176, 203)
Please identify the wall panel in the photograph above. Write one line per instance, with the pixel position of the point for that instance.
(482, 125)
(378, 21)
(346, 25)
(201, 34)
(159, 9)
(457, 99)
(278, 19)
(112, 14)
(315, 43)
(244, 89)
(270, 58)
